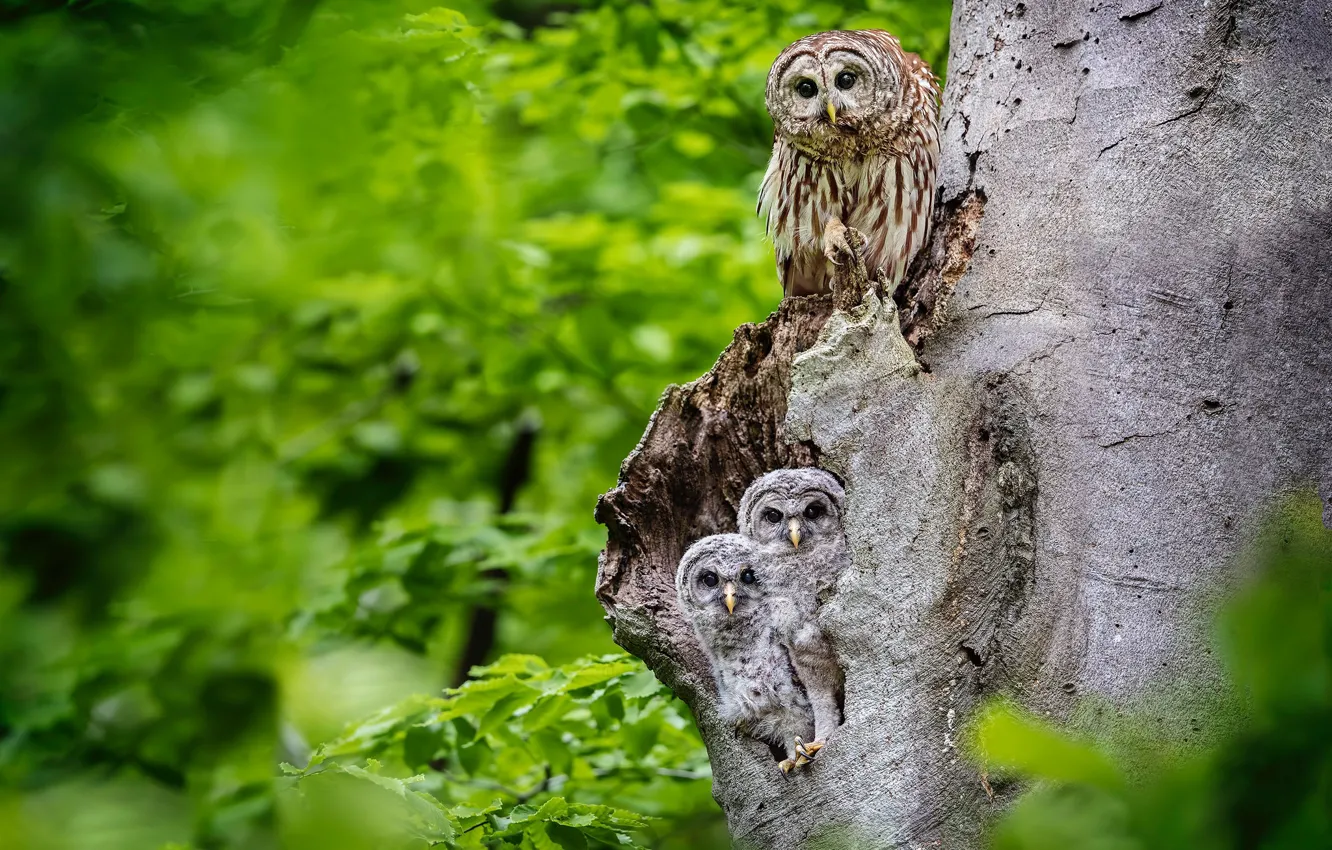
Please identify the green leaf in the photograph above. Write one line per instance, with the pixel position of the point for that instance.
(475, 757)
(420, 745)
(1005, 739)
(544, 712)
(549, 747)
(477, 697)
(566, 837)
(431, 819)
(640, 738)
(468, 817)
(597, 673)
(503, 711)
(512, 665)
(642, 684)
(464, 731)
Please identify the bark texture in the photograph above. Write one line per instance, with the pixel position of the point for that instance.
(1117, 355)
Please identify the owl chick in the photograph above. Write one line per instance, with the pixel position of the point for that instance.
(795, 613)
(856, 121)
(803, 509)
(739, 616)
(795, 515)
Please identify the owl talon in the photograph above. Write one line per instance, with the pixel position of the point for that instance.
(804, 754)
(834, 241)
(807, 751)
(843, 248)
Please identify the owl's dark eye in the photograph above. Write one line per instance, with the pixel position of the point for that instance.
(845, 80)
(772, 515)
(747, 577)
(814, 511)
(806, 88)
(709, 578)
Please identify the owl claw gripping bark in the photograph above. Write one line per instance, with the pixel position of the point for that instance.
(803, 754)
(788, 765)
(808, 751)
(844, 248)
(834, 241)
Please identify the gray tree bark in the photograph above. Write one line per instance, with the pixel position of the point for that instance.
(1117, 357)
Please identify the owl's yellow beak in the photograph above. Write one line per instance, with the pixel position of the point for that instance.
(832, 112)
(730, 597)
(794, 525)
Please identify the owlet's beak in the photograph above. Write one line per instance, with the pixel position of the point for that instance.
(832, 112)
(794, 525)
(730, 597)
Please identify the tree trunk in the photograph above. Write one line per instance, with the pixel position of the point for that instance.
(1118, 355)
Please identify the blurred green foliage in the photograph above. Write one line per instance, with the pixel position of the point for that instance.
(321, 327)
(600, 731)
(1251, 770)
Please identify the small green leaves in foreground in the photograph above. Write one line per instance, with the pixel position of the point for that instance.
(522, 753)
(1009, 740)
(1266, 779)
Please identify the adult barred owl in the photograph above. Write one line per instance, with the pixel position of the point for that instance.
(857, 146)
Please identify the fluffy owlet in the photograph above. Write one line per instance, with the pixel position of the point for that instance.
(739, 613)
(801, 510)
(857, 146)
(795, 516)
(796, 617)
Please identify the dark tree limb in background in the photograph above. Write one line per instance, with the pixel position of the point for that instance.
(1116, 355)
(484, 619)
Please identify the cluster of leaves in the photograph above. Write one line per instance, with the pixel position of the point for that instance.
(322, 324)
(505, 754)
(1253, 769)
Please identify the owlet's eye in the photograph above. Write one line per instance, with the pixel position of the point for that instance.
(709, 578)
(845, 80)
(814, 511)
(806, 88)
(747, 577)
(772, 515)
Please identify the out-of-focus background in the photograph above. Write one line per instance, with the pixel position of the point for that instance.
(322, 326)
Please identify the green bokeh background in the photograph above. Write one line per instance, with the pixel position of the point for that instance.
(322, 325)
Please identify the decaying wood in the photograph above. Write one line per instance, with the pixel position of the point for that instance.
(923, 295)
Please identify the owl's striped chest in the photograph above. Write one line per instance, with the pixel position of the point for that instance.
(802, 194)
(884, 196)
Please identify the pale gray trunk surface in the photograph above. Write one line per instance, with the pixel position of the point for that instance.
(1135, 364)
